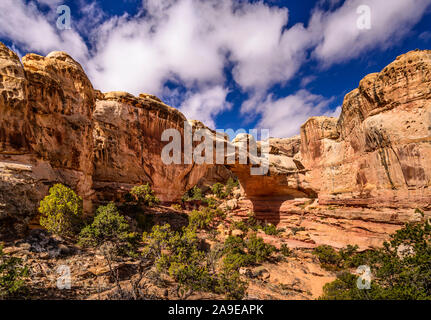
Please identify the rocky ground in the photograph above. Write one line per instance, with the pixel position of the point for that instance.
(298, 276)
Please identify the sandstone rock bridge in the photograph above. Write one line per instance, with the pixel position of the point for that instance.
(351, 171)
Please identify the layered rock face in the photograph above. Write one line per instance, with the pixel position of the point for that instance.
(349, 180)
(369, 169)
(55, 128)
(46, 130)
(128, 148)
(377, 154)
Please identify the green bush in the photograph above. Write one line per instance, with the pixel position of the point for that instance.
(235, 260)
(12, 275)
(204, 219)
(108, 226)
(295, 230)
(271, 230)
(258, 249)
(178, 254)
(177, 207)
(223, 192)
(144, 195)
(241, 253)
(240, 225)
(234, 244)
(344, 288)
(218, 190)
(194, 194)
(230, 284)
(230, 185)
(252, 222)
(285, 251)
(61, 211)
(401, 270)
(328, 257)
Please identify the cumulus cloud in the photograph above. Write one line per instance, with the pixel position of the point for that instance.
(205, 105)
(29, 29)
(190, 43)
(340, 39)
(283, 117)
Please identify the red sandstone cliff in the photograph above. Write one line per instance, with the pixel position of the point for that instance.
(348, 180)
(369, 169)
(54, 127)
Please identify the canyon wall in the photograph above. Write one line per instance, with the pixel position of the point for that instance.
(377, 153)
(349, 180)
(45, 131)
(355, 179)
(55, 128)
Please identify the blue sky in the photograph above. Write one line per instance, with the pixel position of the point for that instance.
(229, 63)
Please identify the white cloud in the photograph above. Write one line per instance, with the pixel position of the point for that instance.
(307, 80)
(203, 106)
(284, 117)
(191, 42)
(29, 29)
(341, 39)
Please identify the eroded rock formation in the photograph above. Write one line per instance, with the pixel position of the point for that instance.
(349, 180)
(128, 147)
(46, 130)
(369, 169)
(55, 128)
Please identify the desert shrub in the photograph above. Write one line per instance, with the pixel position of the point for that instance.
(240, 225)
(328, 257)
(203, 219)
(271, 230)
(344, 288)
(223, 192)
(401, 270)
(230, 185)
(144, 195)
(345, 258)
(252, 222)
(285, 251)
(218, 190)
(177, 207)
(108, 226)
(194, 194)
(212, 203)
(12, 275)
(235, 256)
(61, 211)
(417, 210)
(258, 249)
(178, 254)
(241, 253)
(230, 284)
(234, 244)
(295, 230)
